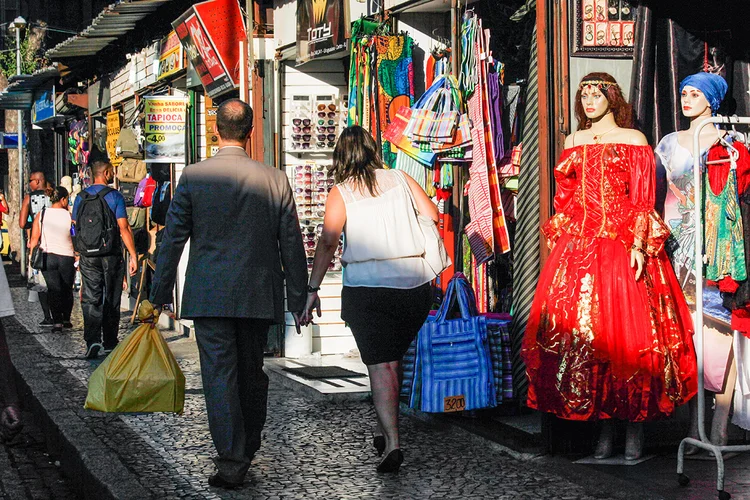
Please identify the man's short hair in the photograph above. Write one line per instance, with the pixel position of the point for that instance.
(234, 120)
(37, 172)
(98, 167)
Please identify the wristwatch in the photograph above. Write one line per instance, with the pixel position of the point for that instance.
(312, 289)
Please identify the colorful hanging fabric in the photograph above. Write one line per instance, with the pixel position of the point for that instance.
(395, 83)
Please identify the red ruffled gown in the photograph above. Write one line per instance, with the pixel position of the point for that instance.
(599, 344)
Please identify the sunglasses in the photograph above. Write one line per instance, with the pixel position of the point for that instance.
(330, 107)
(324, 122)
(301, 121)
(300, 145)
(305, 137)
(304, 130)
(300, 168)
(307, 191)
(330, 137)
(329, 129)
(309, 236)
(310, 260)
(330, 114)
(325, 144)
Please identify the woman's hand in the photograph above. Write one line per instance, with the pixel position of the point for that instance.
(636, 261)
(313, 303)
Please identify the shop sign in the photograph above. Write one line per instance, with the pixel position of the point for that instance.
(210, 32)
(212, 135)
(171, 56)
(165, 129)
(113, 134)
(321, 29)
(9, 140)
(43, 107)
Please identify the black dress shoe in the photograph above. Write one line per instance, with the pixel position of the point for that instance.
(379, 443)
(219, 482)
(392, 462)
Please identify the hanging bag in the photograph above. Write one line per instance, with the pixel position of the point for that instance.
(434, 116)
(38, 256)
(453, 367)
(435, 253)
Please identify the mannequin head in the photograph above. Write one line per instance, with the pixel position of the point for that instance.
(599, 94)
(712, 87)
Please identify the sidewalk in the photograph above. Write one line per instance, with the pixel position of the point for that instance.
(313, 447)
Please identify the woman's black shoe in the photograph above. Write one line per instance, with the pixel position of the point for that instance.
(392, 462)
(379, 443)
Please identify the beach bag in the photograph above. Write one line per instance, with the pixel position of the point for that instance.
(140, 375)
(453, 368)
(144, 193)
(395, 135)
(435, 115)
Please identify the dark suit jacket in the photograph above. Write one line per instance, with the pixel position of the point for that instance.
(245, 240)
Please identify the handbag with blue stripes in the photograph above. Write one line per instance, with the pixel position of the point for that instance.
(453, 366)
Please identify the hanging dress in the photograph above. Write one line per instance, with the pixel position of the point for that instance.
(598, 343)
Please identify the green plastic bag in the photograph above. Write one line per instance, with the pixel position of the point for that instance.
(140, 375)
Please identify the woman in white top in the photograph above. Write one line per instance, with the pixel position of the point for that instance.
(387, 292)
(52, 226)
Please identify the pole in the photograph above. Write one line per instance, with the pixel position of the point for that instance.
(20, 153)
(250, 8)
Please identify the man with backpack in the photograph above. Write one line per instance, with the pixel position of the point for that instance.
(100, 221)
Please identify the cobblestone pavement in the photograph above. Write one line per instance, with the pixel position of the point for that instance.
(27, 471)
(311, 448)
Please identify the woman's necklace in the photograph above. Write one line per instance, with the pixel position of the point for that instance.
(598, 137)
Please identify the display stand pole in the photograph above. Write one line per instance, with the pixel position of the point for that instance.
(704, 443)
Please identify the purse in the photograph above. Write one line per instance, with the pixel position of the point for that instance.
(38, 257)
(435, 253)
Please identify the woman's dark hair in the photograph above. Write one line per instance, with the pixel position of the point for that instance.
(620, 108)
(356, 156)
(57, 194)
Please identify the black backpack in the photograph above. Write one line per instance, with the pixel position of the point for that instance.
(96, 230)
(160, 203)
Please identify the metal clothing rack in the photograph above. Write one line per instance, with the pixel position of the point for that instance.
(704, 442)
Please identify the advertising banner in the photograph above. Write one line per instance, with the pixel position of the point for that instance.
(165, 129)
(43, 107)
(113, 133)
(321, 29)
(171, 56)
(211, 32)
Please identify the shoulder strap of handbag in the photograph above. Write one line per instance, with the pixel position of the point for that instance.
(405, 183)
(41, 226)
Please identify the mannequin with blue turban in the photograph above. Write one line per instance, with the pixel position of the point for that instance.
(713, 86)
(701, 95)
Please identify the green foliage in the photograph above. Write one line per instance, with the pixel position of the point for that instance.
(30, 61)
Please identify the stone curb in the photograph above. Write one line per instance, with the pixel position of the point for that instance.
(95, 470)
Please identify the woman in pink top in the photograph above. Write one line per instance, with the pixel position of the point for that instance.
(52, 226)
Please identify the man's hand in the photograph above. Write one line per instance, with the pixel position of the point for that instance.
(297, 321)
(313, 303)
(133, 266)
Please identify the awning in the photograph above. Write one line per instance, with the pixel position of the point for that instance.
(19, 94)
(112, 23)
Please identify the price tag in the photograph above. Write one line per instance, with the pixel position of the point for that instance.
(454, 403)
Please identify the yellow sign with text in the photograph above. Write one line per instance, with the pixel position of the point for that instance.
(113, 134)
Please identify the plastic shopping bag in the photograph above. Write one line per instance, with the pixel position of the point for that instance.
(140, 375)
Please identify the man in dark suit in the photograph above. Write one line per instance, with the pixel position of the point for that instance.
(245, 240)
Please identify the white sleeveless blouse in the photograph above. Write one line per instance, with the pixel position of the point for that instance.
(383, 243)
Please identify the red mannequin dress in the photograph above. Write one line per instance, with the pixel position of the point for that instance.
(599, 344)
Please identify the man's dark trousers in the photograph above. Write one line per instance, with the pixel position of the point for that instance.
(235, 387)
(100, 299)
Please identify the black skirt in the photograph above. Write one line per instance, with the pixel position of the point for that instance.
(384, 321)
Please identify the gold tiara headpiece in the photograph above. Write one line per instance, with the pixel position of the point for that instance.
(596, 83)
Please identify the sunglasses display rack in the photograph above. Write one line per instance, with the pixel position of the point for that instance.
(315, 124)
(312, 182)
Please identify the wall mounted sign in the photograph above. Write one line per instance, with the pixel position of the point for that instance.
(113, 133)
(604, 28)
(171, 56)
(210, 32)
(212, 135)
(43, 107)
(165, 129)
(321, 29)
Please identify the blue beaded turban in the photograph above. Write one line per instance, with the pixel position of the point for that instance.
(713, 87)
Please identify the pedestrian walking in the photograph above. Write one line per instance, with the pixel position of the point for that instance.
(10, 410)
(97, 241)
(32, 204)
(51, 230)
(245, 240)
(387, 292)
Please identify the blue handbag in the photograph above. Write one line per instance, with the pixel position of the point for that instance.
(453, 367)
